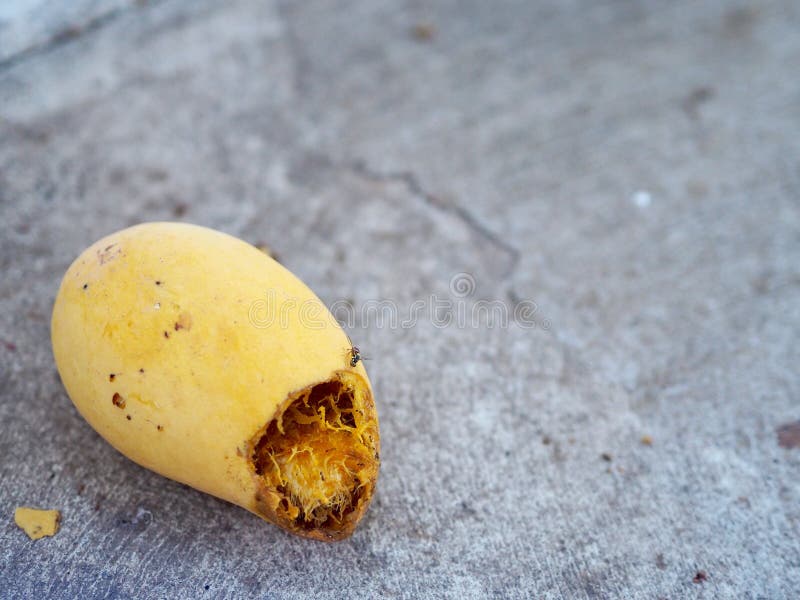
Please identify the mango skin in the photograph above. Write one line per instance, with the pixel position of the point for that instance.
(36, 522)
(159, 347)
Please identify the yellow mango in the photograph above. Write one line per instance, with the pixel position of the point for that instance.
(201, 358)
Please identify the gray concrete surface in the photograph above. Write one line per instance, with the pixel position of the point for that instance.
(631, 167)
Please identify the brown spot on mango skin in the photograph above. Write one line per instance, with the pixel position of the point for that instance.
(108, 254)
(118, 400)
(112, 376)
(184, 322)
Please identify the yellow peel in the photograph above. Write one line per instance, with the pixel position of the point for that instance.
(179, 314)
(37, 523)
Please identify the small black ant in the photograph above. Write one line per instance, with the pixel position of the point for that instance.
(355, 356)
(354, 353)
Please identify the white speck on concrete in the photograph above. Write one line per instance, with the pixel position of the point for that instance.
(642, 199)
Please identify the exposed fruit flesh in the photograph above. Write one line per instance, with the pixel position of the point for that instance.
(319, 457)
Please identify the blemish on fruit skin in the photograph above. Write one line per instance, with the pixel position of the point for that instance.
(136, 398)
(166, 334)
(107, 254)
(160, 427)
(112, 376)
(159, 282)
(117, 400)
(141, 370)
(128, 417)
(86, 286)
(184, 322)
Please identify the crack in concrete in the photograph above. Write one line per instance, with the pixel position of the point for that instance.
(413, 185)
(68, 34)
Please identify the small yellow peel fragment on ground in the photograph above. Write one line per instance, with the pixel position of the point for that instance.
(36, 522)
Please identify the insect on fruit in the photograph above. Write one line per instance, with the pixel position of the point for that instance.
(354, 353)
(355, 356)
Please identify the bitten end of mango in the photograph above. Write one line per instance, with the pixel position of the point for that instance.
(317, 460)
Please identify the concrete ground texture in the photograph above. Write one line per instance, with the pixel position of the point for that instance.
(625, 172)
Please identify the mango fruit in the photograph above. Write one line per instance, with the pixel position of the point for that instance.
(201, 358)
